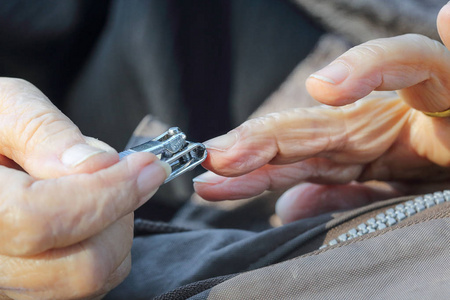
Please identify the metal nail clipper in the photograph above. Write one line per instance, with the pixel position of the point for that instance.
(173, 148)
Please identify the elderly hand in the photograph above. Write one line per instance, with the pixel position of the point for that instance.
(66, 202)
(326, 154)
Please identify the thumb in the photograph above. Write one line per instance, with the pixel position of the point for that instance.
(414, 64)
(41, 139)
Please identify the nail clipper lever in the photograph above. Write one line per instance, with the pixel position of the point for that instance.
(173, 148)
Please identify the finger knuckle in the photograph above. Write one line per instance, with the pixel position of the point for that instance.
(15, 84)
(368, 50)
(26, 110)
(38, 127)
(13, 90)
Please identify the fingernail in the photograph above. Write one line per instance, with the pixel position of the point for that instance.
(334, 73)
(154, 173)
(223, 142)
(78, 154)
(209, 178)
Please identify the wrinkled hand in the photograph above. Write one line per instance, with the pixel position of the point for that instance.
(333, 150)
(66, 202)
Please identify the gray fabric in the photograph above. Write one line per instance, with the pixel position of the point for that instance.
(163, 262)
(204, 66)
(48, 42)
(407, 263)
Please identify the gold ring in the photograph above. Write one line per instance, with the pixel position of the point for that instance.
(439, 114)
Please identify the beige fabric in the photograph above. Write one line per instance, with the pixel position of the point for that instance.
(409, 262)
(363, 20)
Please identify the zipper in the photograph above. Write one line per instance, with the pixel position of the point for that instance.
(392, 216)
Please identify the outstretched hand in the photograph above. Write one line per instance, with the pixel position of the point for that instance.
(326, 154)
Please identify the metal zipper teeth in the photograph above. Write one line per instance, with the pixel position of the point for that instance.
(393, 216)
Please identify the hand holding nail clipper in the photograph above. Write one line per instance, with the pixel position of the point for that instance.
(66, 201)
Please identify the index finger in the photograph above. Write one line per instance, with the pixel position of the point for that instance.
(356, 133)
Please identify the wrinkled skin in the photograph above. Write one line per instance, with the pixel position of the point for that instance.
(327, 157)
(66, 202)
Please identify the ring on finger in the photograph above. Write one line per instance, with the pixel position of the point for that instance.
(439, 114)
